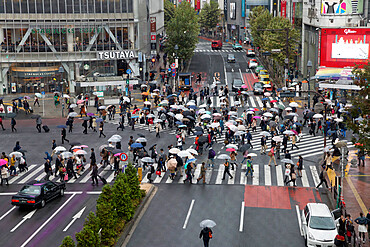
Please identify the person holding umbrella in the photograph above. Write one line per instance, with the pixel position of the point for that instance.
(206, 232)
(202, 175)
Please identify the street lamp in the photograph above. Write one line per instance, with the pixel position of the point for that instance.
(61, 71)
(177, 67)
(309, 66)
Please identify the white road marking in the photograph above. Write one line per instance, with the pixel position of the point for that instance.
(253, 104)
(26, 217)
(241, 217)
(24, 180)
(304, 179)
(220, 173)
(11, 181)
(189, 213)
(279, 175)
(315, 175)
(256, 179)
(299, 219)
(196, 173)
(74, 218)
(7, 212)
(267, 175)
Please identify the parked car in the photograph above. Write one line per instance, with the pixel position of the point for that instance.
(252, 63)
(251, 53)
(237, 46)
(237, 85)
(230, 58)
(318, 225)
(258, 88)
(216, 45)
(36, 193)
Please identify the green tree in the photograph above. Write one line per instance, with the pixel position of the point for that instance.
(89, 235)
(259, 19)
(68, 242)
(169, 11)
(182, 30)
(121, 198)
(133, 182)
(361, 108)
(107, 215)
(209, 15)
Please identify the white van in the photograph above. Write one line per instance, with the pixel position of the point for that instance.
(318, 226)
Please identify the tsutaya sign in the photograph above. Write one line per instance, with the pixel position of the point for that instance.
(112, 55)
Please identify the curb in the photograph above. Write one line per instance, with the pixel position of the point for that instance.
(132, 224)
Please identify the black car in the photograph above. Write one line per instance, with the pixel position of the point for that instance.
(37, 193)
(237, 85)
(258, 88)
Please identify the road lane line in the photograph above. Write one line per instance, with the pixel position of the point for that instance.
(315, 175)
(47, 221)
(279, 175)
(208, 174)
(26, 217)
(241, 218)
(188, 215)
(8, 212)
(256, 175)
(8, 193)
(304, 179)
(299, 219)
(93, 192)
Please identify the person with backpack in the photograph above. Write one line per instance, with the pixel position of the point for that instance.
(349, 228)
(206, 234)
(211, 157)
(249, 166)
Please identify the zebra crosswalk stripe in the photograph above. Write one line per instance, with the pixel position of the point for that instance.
(14, 179)
(267, 175)
(279, 175)
(256, 175)
(220, 173)
(31, 175)
(304, 179)
(253, 104)
(316, 178)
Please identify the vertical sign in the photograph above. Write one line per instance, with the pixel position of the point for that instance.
(283, 8)
(153, 32)
(243, 8)
(197, 5)
(225, 9)
(293, 14)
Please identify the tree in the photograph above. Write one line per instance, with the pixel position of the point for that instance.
(259, 19)
(169, 11)
(107, 215)
(182, 30)
(209, 15)
(121, 198)
(361, 108)
(133, 182)
(89, 235)
(68, 242)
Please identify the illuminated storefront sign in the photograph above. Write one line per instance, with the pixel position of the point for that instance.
(113, 55)
(66, 30)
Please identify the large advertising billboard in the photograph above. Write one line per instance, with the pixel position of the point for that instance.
(344, 47)
(342, 7)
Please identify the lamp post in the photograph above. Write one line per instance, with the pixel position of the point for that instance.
(61, 71)
(177, 67)
(309, 66)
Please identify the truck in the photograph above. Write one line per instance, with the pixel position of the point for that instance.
(185, 81)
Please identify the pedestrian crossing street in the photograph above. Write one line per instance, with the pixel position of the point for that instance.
(219, 51)
(253, 101)
(36, 172)
(262, 175)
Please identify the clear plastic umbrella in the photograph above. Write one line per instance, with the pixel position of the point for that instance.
(66, 155)
(223, 157)
(184, 154)
(174, 150)
(81, 152)
(207, 223)
(147, 160)
(16, 154)
(60, 149)
(192, 151)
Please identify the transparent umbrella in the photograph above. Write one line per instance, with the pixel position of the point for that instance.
(207, 223)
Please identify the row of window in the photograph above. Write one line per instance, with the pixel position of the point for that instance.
(65, 6)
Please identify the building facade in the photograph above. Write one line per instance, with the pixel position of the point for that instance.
(49, 43)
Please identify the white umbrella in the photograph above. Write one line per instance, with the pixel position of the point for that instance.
(277, 139)
(158, 121)
(147, 103)
(38, 95)
(174, 150)
(184, 154)
(72, 114)
(127, 99)
(73, 106)
(147, 160)
(179, 116)
(205, 116)
(233, 128)
(217, 114)
(16, 154)
(288, 109)
(114, 139)
(233, 113)
(190, 103)
(66, 96)
(267, 114)
(117, 136)
(214, 125)
(192, 151)
(239, 133)
(202, 106)
(141, 139)
(66, 155)
(326, 149)
(252, 154)
(241, 127)
(60, 149)
(250, 112)
(288, 132)
(102, 107)
(317, 115)
(207, 223)
(292, 114)
(223, 157)
(265, 133)
(293, 104)
(232, 146)
(150, 116)
(338, 120)
(81, 152)
(289, 161)
(267, 85)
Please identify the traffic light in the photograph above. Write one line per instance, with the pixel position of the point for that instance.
(153, 60)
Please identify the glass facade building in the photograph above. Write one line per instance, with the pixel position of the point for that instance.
(38, 37)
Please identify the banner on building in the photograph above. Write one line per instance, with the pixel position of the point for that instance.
(283, 8)
(344, 47)
(225, 9)
(342, 7)
(243, 8)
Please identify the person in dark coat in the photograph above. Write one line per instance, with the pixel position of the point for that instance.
(92, 157)
(94, 174)
(47, 169)
(12, 124)
(64, 134)
(58, 164)
(84, 124)
(70, 169)
(206, 234)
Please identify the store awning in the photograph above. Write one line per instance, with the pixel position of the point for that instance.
(325, 73)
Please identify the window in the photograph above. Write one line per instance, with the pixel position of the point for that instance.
(39, 6)
(16, 7)
(24, 7)
(8, 6)
(47, 6)
(104, 6)
(322, 223)
(2, 8)
(98, 6)
(76, 5)
(69, 7)
(83, 6)
(32, 8)
(54, 6)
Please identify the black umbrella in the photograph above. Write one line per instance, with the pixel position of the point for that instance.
(288, 117)
(117, 151)
(141, 135)
(198, 133)
(244, 148)
(186, 113)
(35, 116)
(310, 114)
(75, 143)
(191, 118)
(198, 128)
(152, 146)
(202, 139)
